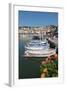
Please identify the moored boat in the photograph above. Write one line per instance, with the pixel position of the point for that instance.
(38, 48)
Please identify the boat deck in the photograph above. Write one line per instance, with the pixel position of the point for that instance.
(49, 53)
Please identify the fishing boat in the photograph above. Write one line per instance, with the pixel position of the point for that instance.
(38, 48)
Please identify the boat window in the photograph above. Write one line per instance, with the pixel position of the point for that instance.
(36, 38)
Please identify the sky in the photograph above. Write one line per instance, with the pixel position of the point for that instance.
(32, 18)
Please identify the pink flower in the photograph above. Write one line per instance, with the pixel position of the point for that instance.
(43, 62)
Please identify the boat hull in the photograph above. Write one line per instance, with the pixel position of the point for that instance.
(40, 53)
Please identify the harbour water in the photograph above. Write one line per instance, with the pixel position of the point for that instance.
(29, 67)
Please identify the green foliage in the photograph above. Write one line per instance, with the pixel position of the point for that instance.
(52, 68)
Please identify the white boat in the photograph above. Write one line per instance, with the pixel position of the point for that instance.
(39, 48)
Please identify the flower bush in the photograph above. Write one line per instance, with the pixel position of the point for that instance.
(49, 67)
